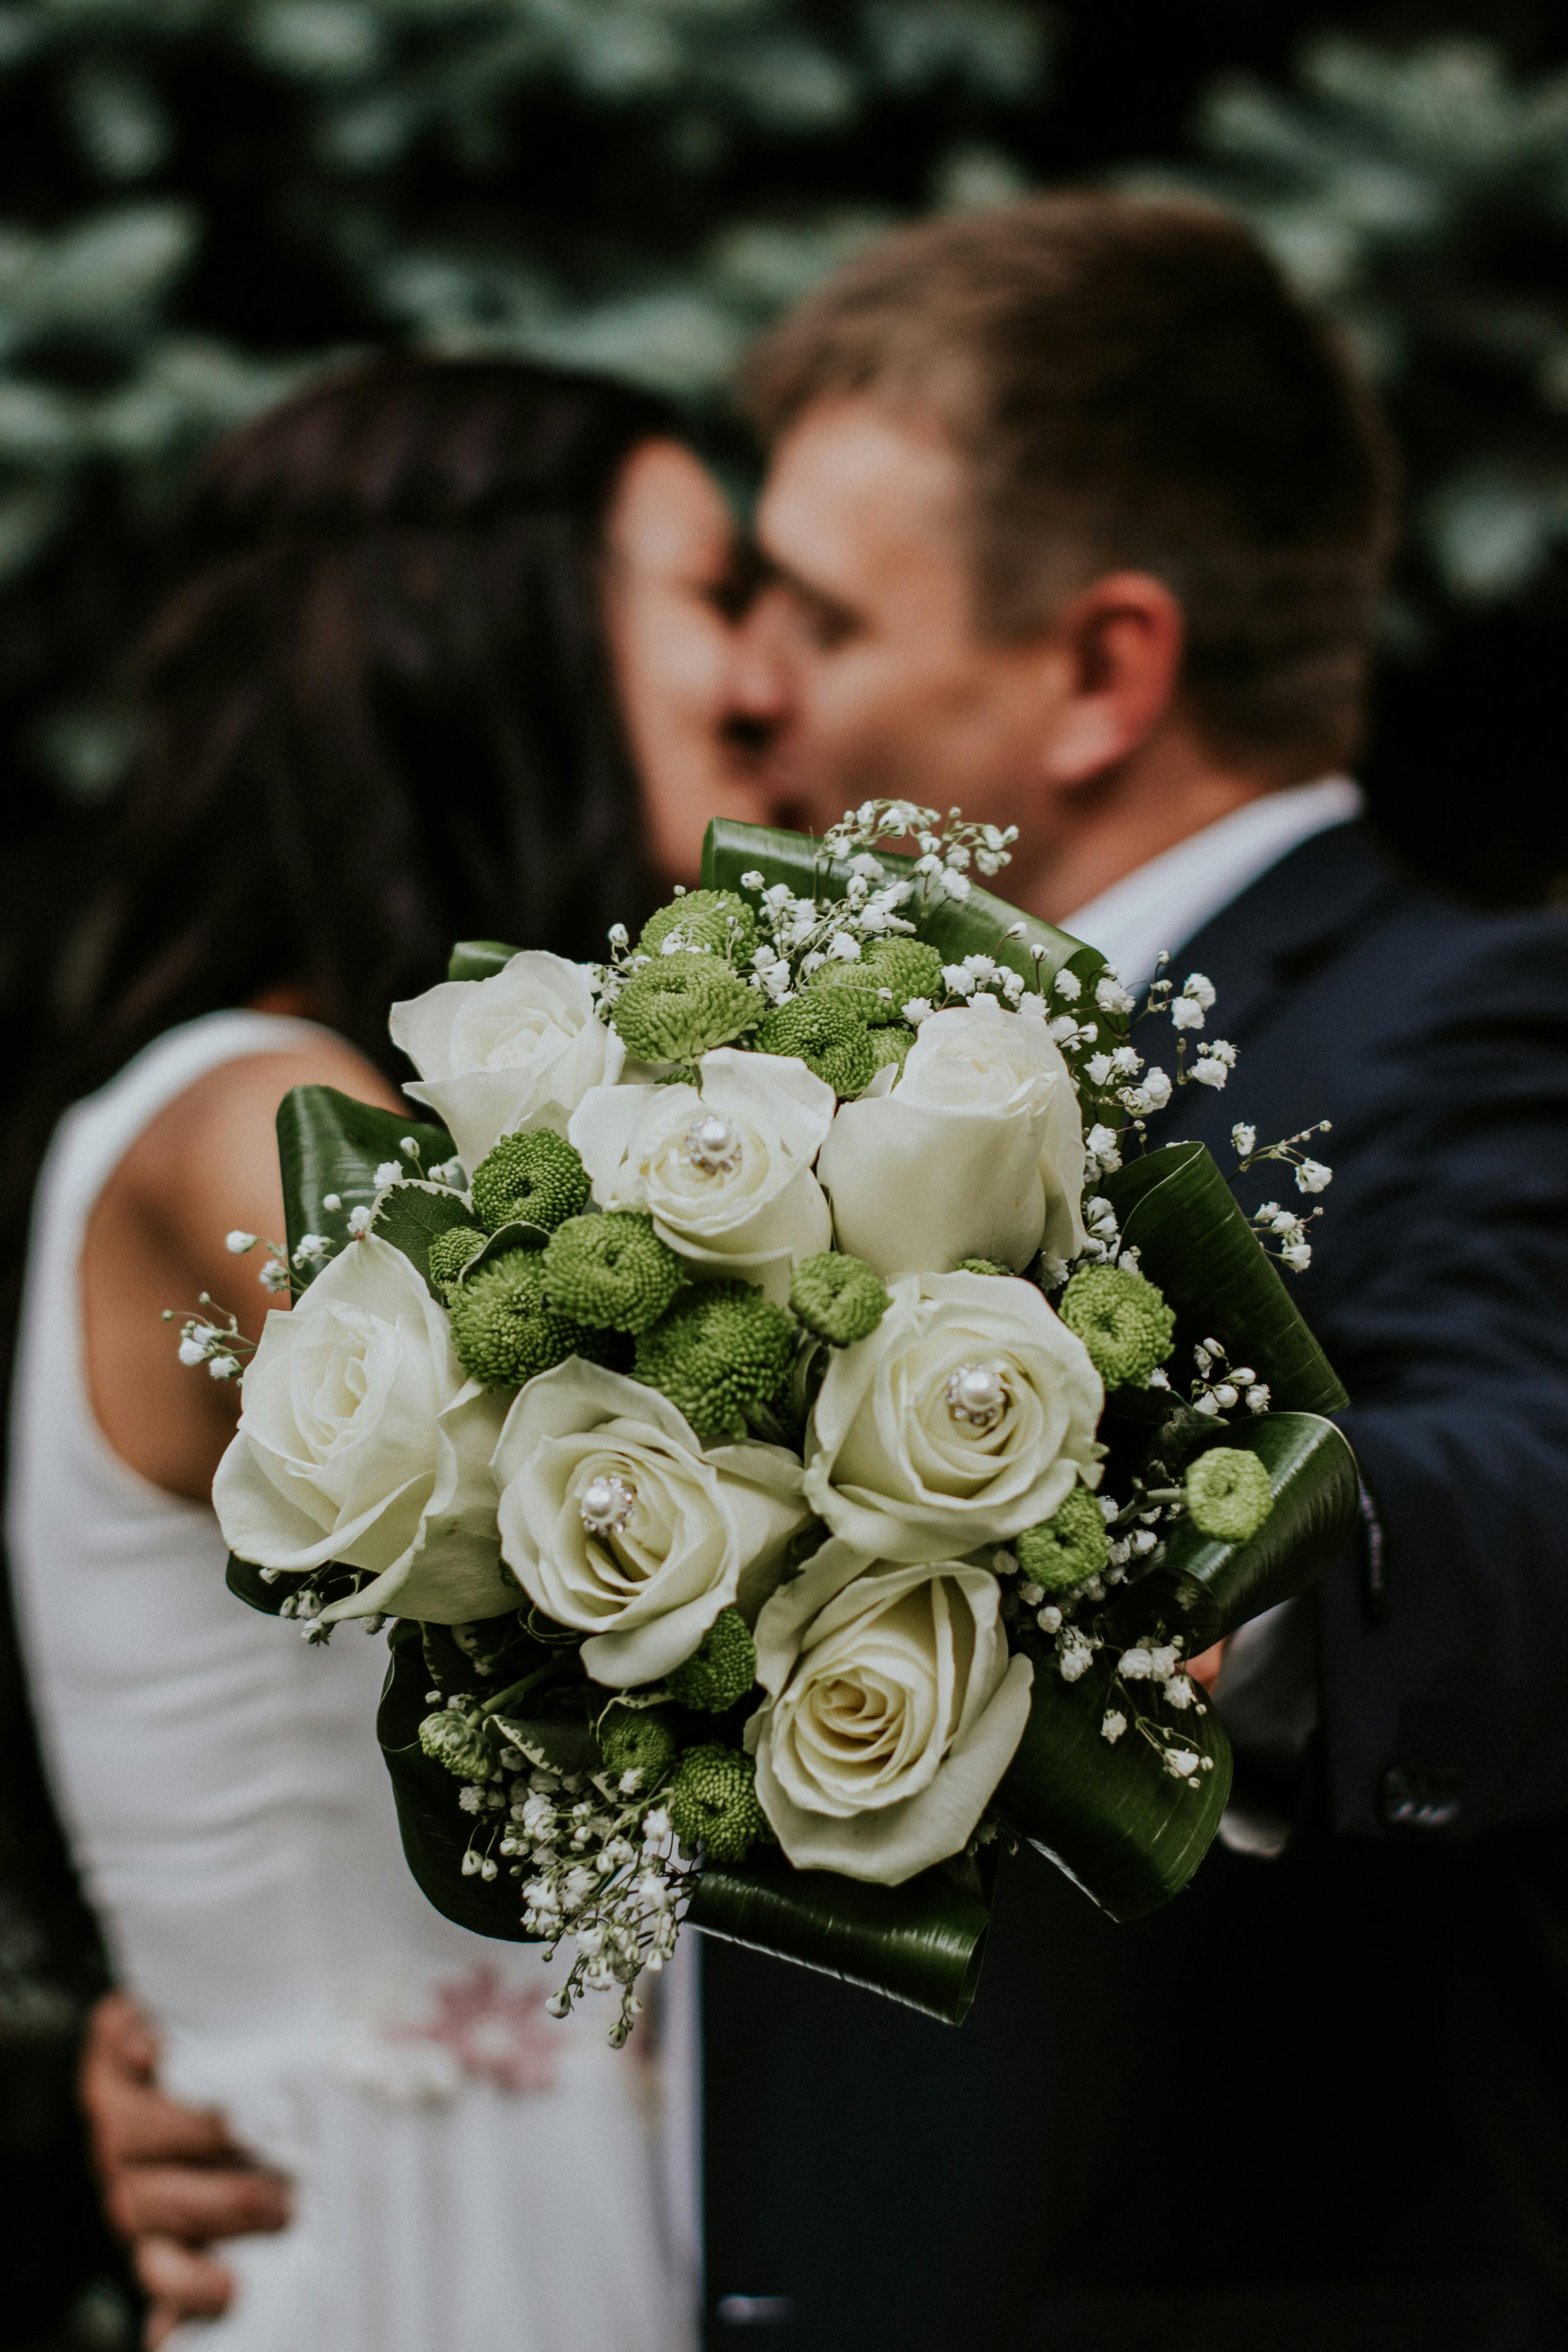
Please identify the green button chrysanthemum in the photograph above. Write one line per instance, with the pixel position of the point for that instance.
(826, 1032)
(892, 1043)
(535, 1179)
(722, 1351)
(981, 1265)
(720, 1670)
(503, 1331)
(451, 1739)
(637, 1739)
(681, 1006)
(713, 1803)
(1227, 1494)
(1122, 1319)
(905, 968)
(611, 1271)
(1069, 1548)
(839, 1297)
(709, 922)
(450, 1252)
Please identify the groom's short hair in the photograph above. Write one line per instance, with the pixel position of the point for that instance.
(1131, 384)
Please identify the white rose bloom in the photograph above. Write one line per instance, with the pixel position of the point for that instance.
(619, 1525)
(501, 1056)
(361, 1441)
(893, 1711)
(967, 1415)
(976, 1150)
(724, 1171)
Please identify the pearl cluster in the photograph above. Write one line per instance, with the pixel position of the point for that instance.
(977, 1395)
(606, 1504)
(712, 1146)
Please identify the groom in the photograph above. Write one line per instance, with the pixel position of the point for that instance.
(1076, 519)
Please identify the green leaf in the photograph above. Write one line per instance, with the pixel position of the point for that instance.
(413, 1215)
(1125, 1829)
(974, 927)
(478, 959)
(1176, 1209)
(557, 1743)
(1312, 1476)
(921, 1943)
(329, 1143)
(436, 1832)
(503, 1242)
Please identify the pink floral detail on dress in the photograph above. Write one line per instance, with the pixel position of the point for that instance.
(497, 2033)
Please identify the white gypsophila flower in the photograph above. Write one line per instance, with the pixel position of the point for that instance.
(618, 1523)
(1243, 1140)
(389, 1171)
(502, 1056)
(724, 1167)
(1209, 1072)
(976, 1150)
(361, 1441)
(1109, 994)
(1184, 1014)
(239, 1241)
(359, 1221)
(1199, 989)
(893, 1710)
(967, 1415)
(1112, 1725)
(1312, 1176)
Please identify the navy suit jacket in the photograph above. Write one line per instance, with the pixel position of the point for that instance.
(1322, 2100)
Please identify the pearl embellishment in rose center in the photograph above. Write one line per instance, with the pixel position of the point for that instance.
(606, 1504)
(978, 1396)
(712, 1146)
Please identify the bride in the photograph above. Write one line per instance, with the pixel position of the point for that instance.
(429, 624)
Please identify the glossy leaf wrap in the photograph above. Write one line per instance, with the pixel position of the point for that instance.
(1193, 1239)
(328, 1144)
(920, 1944)
(1312, 1477)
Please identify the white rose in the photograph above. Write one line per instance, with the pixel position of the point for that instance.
(361, 1441)
(976, 1150)
(619, 1525)
(501, 1056)
(724, 1170)
(967, 1415)
(893, 1712)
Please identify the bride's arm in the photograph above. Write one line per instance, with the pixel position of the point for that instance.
(206, 1165)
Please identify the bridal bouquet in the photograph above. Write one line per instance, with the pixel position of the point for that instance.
(801, 1433)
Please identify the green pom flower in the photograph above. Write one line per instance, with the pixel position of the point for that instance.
(720, 1670)
(712, 1804)
(722, 1350)
(454, 1739)
(838, 1297)
(1227, 1494)
(450, 1252)
(906, 967)
(1122, 1320)
(708, 922)
(611, 1271)
(848, 984)
(637, 1739)
(892, 1045)
(537, 1180)
(503, 1329)
(826, 1034)
(681, 1006)
(981, 1265)
(1072, 1546)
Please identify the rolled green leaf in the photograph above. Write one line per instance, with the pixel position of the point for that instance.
(478, 959)
(977, 926)
(1312, 1477)
(1175, 1208)
(328, 1144)
(921, 1943)
(1124, 1829)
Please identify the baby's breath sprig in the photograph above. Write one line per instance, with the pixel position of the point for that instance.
(212, 1337)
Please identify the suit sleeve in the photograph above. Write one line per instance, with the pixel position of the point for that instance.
(1445, 1660)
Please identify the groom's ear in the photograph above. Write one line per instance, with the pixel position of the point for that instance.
(1114, 660)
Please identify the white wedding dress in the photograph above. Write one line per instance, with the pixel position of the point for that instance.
(467, 2169)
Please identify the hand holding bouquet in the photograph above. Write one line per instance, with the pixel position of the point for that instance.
(800, 1432)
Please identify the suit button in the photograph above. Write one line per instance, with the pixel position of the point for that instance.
(754, 2310)
(1420, 1797)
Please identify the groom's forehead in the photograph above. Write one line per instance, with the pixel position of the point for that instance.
(853, 482)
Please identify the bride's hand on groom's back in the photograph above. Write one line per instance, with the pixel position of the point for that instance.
(172, 2180)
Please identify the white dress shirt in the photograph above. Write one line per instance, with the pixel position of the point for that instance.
(1168, 901)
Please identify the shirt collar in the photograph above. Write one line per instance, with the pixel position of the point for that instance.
(1168, 901)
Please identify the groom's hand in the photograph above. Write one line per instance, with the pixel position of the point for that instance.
(171, 2178)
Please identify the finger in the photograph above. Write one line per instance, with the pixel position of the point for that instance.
(134, 2123)
(118, 2036)
(186, 2200)
(162, 2318)
(193, 2284)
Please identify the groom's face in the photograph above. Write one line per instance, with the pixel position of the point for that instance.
(862, 655)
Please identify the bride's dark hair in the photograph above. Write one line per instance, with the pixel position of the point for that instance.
(376, 715)
(375, 704)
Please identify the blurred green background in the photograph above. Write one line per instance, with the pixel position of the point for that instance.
(203, 200)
